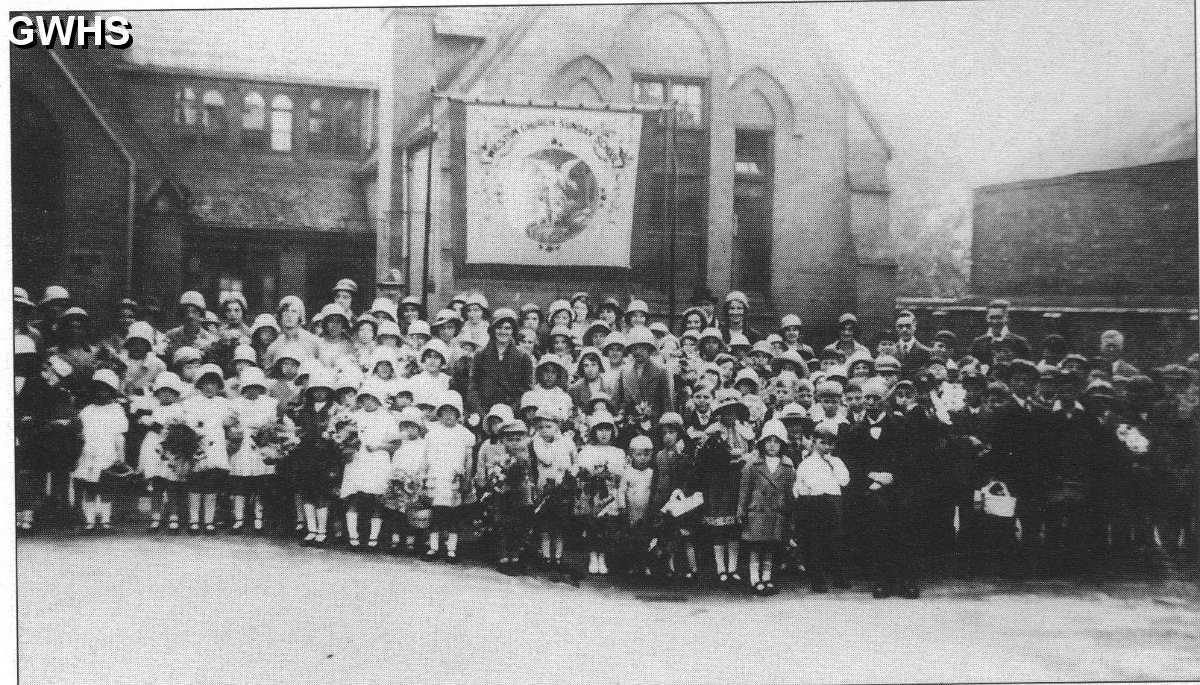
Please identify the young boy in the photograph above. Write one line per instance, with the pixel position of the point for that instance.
(820, 478)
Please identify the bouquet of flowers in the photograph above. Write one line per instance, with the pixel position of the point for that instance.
(181, 447)
(343, 433)
(274, 440)
(1133, 439)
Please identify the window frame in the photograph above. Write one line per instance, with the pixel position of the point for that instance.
(668, 81)
(254, 138)
(322, 140)
(180, 107)
(274, 131)
(210, 130)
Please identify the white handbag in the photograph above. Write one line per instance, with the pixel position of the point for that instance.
(996, 499)
(678, 505)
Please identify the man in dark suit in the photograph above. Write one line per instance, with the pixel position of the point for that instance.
(877, 454)
(997, 321)
(912, 354)
(643, 387)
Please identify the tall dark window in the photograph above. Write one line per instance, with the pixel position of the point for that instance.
(347, 128)
(688, 95)
(752, 190)
(281, 123)
(212, 116)
(185, 114)
(320, 135)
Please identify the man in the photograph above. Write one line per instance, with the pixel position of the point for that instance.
(876, 452)
(1112, 345)
(391, 286)
(644, 387)
(912, 354)
(847, 343)
(997, 322)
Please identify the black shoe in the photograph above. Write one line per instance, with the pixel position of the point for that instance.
(451, 558)
(841, 583)
(820, 587)
(429, 555)
(771, 589)
(881, 592)
(910, 591)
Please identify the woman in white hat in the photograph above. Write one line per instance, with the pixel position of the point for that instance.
(74, 345)
(335, 335)
(211, 415)
(103, 426)
(290, 317)
(366, 477)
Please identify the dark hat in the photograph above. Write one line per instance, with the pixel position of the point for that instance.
(1022, 367)
(703, 295)
(1083, 361)
(947, 337)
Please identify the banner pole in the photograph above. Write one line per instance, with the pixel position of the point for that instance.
(428, 217)
(674, 207)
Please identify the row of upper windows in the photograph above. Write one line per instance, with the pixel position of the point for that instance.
(331, 125)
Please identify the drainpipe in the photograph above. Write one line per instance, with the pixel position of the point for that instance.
(131, 195)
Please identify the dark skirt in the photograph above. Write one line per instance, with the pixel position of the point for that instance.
(208, 481)
(315, 471)
(720, 501)
(762, 525)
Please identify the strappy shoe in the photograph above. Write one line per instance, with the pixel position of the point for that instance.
(239, 526)
(173, 526)
(210, 529)
(771, 589)
(373, 543)
(308, 540)
(760, 589)
(354, 543)
(194, 529)
(319, 539)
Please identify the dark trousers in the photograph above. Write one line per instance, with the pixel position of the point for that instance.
(820, 522)
(889, 534)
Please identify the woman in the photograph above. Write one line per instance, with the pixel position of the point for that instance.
(501, 372)
(75, 347)
(291, 332)
(737, 308)
(694, 320)
(232, 331)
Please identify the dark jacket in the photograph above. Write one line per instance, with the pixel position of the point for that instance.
(498, 381)
(864, 453)
(646, 383)
(981, 347)
(915, 360)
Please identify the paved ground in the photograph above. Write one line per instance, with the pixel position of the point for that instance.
(139, 609)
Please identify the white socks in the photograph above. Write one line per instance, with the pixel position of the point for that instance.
(451, 543)
(194, 507)
(322, 519)
(309, 512)
(754, 574)
(352, 523)
(239, 507)
(719, 558)
(210, 507)
(433, 541)
(732, 551)
(376, 526)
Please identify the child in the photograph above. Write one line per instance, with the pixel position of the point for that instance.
(448, 452)
(141, 367)
(103, 425)
(366, 477)
(674, 472)
(597, 469)
(700, 416)
(248, 472)
(554, 455)
(513, 479)
(636, 488)
(764, 498)
(210, 414)
(407, 479)
(431, 382)
(820, 478)
(384, 379)
(285, 371)
(562, 345)
(161, 479)
(551, 375)
(314, 462)
(829, 403)
(719, 465)
(613, 347)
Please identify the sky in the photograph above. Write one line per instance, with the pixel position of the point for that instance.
(968, 93)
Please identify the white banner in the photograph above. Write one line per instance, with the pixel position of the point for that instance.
(550, 187)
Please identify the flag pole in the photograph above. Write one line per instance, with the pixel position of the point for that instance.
(673, 163)
(428, 208)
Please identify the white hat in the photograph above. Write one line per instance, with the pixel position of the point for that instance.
(385, 305)
(209, 370)
(514, 426)
(737, 296)
(875, 386)
(419, 327)
(614, 338)
(552, 360)
(411, 414)
(387, 327)
(564, 331)
(245, 353)
(169, 381)
(641, 442)
(774, 429)
(320, 377)
(333, 309)
(374, 390)
(748, 375)
(792, 410)
(528, 399)
(60, 366)
(826, 426)
(382, 354)
(829, 387)
(437, 346)
(790, 321)
(393, 278)
(475, 336)
(23, 344)
(593, 352)
(500, 411)
(293, 302)
(21, 296)
(231, 296)
(660, 328)
(601, 417)
(264, 321)
(74, 311)
(140, 330)
(347, 285)
(712, 332)
(502, 314)
(637, 306)
(186, 354)
(443, 317)
(559, 306)
(252, 375)
(640, 335)
(477, 298)
(450, 398)
(107, 377)
(193, 299)
(739, 340)
(54, 292)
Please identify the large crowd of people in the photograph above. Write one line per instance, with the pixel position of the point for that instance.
(715, 449)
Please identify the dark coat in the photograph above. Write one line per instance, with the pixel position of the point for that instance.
(498, 381)
(647, 383)
(981, 347)
(1021, 439)
(915, 360)
(764, 500)
(673, 470)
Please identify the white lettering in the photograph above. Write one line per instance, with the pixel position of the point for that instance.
(20, 31)
(120, 32)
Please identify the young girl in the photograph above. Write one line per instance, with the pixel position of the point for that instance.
(141, 367)
(674, 471)
(818, 495)
(314, 463)
(264, 332)
(554, 455)
(363, 345)
(432, 381)
(211, 415)
(598, 469)
(550, 377)
(764, 500)
(366, 477)
(407, 479)
(719, 466)
(384, 379)
(103, 426)
(248, 472)
(448, 452)
(476, 311)
(562, 346)
(613, 347)
(162, 482)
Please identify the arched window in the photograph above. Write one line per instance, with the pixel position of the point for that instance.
(185, 107)
(347, 127)
(281, 123)
(213, 115)
(320, 135)
(254, 120)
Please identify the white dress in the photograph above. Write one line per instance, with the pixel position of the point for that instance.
(554, 458)
(208, 416)
(371, 468)
(247, 461)
(636, 486)
(103, 427)
(446, 454)
(150, 459)
(428, 388)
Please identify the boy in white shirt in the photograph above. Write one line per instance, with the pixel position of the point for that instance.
(820, 478)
